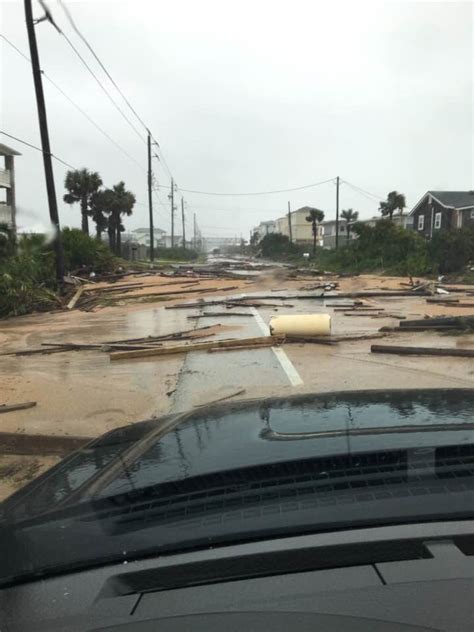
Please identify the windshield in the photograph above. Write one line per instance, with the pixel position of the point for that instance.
(236, 274)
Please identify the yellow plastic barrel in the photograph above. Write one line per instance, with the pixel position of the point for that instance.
(301, 325)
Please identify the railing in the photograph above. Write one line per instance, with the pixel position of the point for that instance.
(4, 178)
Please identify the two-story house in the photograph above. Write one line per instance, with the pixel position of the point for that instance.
(443, 210)
(301, 229)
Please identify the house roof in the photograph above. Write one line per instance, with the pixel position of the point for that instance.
(146, 231)
(8, 151)
(455, 199)
(449, 199)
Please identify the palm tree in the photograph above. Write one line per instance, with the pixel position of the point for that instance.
(81, 184)
(350, 216)
(101, 204)
(393, 202)
(123, 202)
(315, 216)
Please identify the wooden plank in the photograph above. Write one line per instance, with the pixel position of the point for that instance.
(426, 351)
(202, 346)
(75, 298)
(218, 315)
(8, 408)
(19, 443)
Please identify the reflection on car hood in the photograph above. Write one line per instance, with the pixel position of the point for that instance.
(246, 434)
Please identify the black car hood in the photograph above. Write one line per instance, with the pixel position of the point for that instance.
(246, 434)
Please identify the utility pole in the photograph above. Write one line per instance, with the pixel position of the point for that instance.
(289, 223)
(47, 161)
(173, 208)
(194, 231)
(184, 223)
(150, 201)
(337, 212)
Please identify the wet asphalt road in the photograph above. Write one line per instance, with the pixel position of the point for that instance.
(207, 376)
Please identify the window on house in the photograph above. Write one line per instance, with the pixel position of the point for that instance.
(421, 222)
(472, 213)
(437, 222)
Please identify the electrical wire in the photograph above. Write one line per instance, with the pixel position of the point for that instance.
(102, 87)
(306, 186)
(24, 142)
(114, 83)
(367, 194)
(66, 96)
(97, 58)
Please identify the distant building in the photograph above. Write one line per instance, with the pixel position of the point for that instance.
(329, 233)
(265, 228)
(7, 186)
(443, 210)
(301, 229)
(142, 236)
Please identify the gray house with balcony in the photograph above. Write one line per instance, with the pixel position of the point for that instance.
(7, 186)
(443, 210)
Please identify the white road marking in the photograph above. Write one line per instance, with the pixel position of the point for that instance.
(286, 364)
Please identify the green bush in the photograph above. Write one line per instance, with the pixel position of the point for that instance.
(27, 277)
(277, 246)
(451, 251)
(80, 251)
(7, 242)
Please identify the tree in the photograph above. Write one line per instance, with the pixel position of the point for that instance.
(315, 216)
(101, 208)
(254, 239)
(350, 217)
(122, 203)
(395, 201)
(81, 185)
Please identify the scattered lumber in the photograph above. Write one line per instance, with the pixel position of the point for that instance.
(218, 315)
(455, 322)
(200, 346)
(75, 298)
(445, 300)
(414, 329)
(333, 339)
(8, 408)
(428, 351)
(19, 443)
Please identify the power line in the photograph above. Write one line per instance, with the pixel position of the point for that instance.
(24, 142)
(306, 186)
(116, 106)
(66, 96)
(74, 26)
(367, 194)
(114, 83)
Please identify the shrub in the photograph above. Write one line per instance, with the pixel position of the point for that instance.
(80, 251)
(451, 251)
(277, 245)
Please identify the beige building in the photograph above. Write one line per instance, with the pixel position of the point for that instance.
(300, 229)
(7, 186)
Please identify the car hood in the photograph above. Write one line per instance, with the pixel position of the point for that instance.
(246, 434)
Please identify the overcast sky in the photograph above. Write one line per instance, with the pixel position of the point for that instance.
(246, 96)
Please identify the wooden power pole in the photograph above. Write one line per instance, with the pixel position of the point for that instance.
(337, 211)
(171, 197)
(183, 221)
(150, 201)
(289, 223)
(47, 156)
